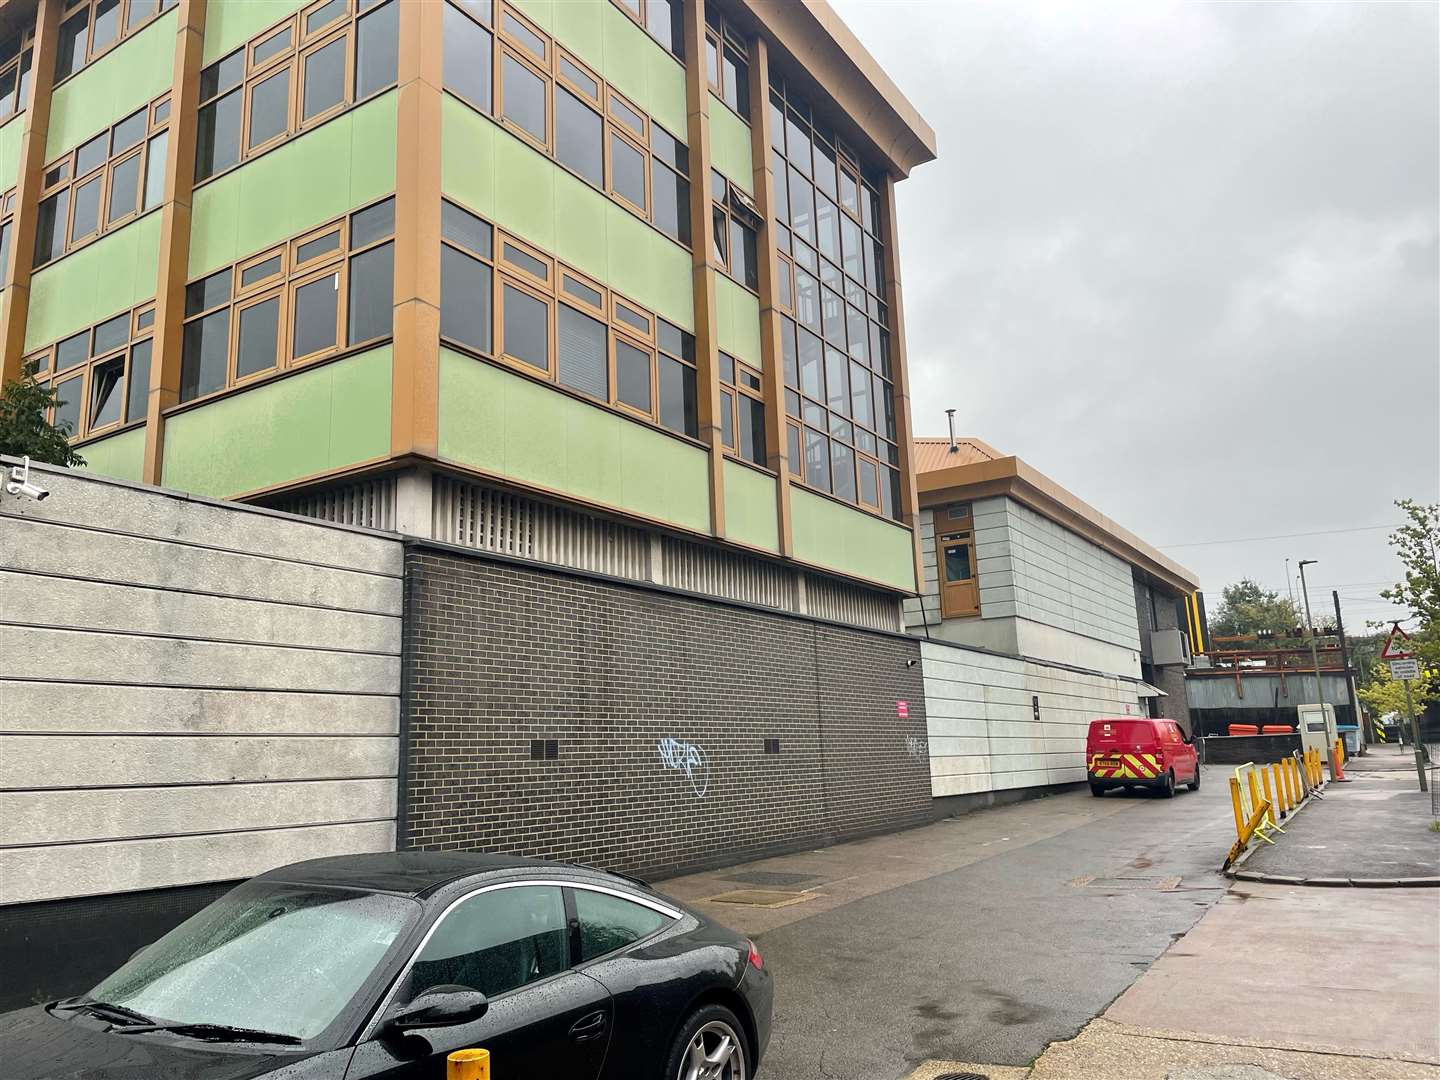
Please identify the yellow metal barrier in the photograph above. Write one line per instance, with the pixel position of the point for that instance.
(468, 1065)
(1254, 812)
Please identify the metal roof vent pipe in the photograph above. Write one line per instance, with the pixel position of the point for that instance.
(950, 416)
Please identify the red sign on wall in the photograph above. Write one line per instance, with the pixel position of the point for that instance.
(902, 709)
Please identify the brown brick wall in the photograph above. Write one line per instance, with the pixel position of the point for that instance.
(499, 654)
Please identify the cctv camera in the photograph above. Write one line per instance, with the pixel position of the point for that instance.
(19, 483)
(911, 663)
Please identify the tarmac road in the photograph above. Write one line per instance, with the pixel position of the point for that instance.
(995, 959)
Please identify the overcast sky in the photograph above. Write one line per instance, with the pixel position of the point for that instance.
(1183, 259)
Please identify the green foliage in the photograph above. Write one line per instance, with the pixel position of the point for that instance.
(24, 429)
(1246, 608)
(1385, 695)
(1417, 542)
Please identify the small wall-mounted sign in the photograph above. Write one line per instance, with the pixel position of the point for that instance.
(1035, 706)
(902, 710)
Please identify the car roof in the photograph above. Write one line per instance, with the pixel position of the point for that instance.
(418, 873)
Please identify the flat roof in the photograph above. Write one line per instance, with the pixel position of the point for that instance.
(975, 470)
(817, 42)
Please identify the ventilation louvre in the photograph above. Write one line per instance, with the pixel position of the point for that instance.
(368, 503)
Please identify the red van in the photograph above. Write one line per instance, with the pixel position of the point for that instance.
(1136, 751)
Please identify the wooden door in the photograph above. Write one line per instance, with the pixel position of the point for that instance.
(959, 590)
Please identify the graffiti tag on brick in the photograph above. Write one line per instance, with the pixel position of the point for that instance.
(689, 759)
(917, 748)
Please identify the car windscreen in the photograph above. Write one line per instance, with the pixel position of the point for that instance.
(267, 955)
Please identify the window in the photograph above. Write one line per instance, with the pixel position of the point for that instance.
(15, 71)
(293, 75)
(559, 106)
(97, 185)
(661, 20)
(727, 63)
(466, 283)
(632, 376)
(582, 359)
(467, 61)
(496, 941)
(526, 322)
(840, 400)
(735, 223)
(96, 26)
(742, 409)
(305, 300)
(609, 922)
(101, 375)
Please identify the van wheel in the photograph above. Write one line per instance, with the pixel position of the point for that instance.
(1167, 786)
(1097, 789)
(1195, 784)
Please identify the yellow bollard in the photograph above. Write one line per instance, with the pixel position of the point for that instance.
(1254, 788)
(1292, 791)
(1269, 795)
(1279, 789)
(468, 1065)
(1239, 814)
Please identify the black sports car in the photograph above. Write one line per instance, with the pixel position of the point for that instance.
(379, 965)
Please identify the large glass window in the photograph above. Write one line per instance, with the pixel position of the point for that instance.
(259, 343)
(317, 308)
(468, 60)
(628, 168)
(372, 289)
(632, 376)
(580, 137)
(324, 78)
(495, 942)
(527, 328)
(524, 92)
(270, 107)
(582, 356)
(377, 50)
(203, 355)
(465, 299)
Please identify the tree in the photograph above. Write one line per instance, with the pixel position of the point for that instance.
(1386, 695)
(1246, 608)
(24, 429)
(1417, 542)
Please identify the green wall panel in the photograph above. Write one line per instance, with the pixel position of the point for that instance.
(751, 516)
(300, 184)
(730, 145)
(524, 192)
(331, 416)
(737, 320)
(10, 133)
(829, 534)
(121, 456)
(99, 280)
(136, 70)
(511, 426)
(228, 23)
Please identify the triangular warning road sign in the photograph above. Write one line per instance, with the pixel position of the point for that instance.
(1390, 652)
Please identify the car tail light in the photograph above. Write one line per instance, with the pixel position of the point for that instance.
(755, 961)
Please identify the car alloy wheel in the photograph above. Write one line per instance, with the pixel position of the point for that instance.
(715, 1053)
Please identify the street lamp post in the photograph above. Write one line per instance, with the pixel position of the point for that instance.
(1310, 630)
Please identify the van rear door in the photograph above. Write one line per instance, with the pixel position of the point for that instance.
(1124, 749)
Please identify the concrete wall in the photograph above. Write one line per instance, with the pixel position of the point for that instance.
(984, 735)
(190, 691)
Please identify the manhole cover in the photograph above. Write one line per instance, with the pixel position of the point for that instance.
(767, 898)
(962, 1076)
(771, 878)
(1144, 884)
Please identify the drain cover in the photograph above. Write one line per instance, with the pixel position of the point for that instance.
(767, 898)
(1131, 884)
(962, 1076)
(772, 878)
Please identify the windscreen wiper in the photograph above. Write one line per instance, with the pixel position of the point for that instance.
(105, 1010)
(211, 1033)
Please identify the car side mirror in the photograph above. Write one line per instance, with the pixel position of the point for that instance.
(440, 1006)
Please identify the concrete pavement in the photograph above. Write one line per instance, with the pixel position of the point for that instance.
(982, 938)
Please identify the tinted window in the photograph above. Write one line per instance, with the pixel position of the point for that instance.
(495, 942)
(324, 79)
(632, 376)
(139, 381)
(203, 355)
(111, 334)
(155, 169)
(371, 224)
(377, 51)
(527, 330)
(579, 137)
(467, 59)
(50, 227)
(752, 430)
(270, 107)
(217, 136)
(108, 390)
(524, 98)
(316, 308)
(124, 187)
(70, 49)
(207, 292)
(582, 359)
(465, 299)
(677, 397)
(464, 228)
(627, 170)
(259, 337)
(372, 283)
(671, 194)
(73, 350)
(67, 408)
(87, 210)
(608, 923)
(128, 132)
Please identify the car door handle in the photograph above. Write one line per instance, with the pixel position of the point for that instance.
(588, 1027)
